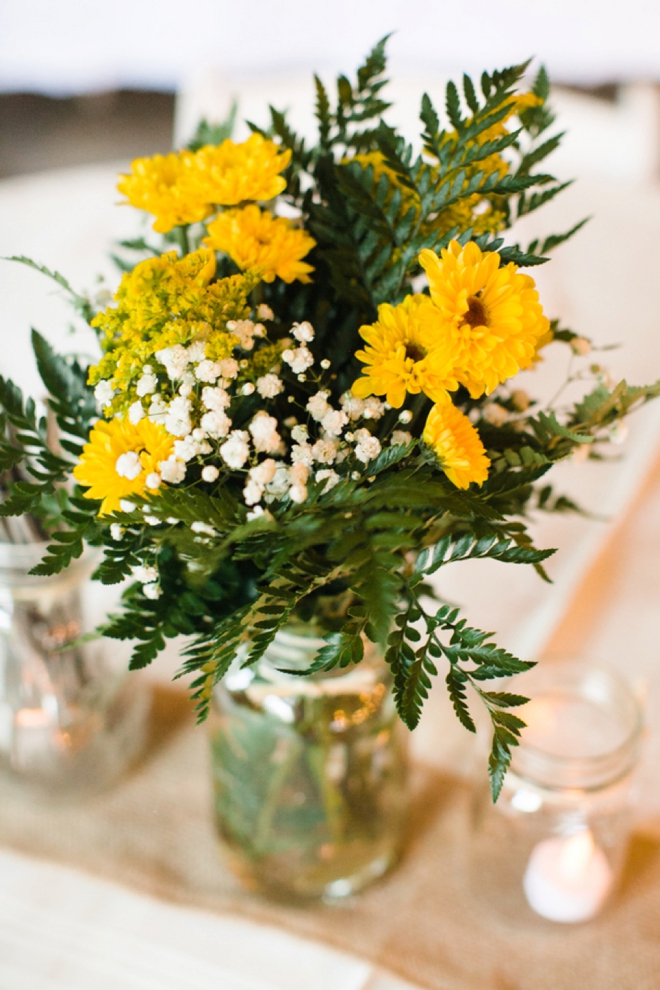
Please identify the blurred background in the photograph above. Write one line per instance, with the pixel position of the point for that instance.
(84, 81)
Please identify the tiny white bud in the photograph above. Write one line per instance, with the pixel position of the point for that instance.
(202, 527)
(144, 573)
(520, 399)
(581, 346)
(304, 332)
(210, 473)
(136, 412)
(126, 506)
(405, 416)
(128, 465)
(153, 480)
(495, 414)
(247, 389)
(325, 364)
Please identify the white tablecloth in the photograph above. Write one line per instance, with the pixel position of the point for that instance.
(61, 930)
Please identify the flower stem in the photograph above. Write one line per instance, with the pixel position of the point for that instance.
(182, 233)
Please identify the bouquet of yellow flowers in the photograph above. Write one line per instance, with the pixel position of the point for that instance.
(305, 403)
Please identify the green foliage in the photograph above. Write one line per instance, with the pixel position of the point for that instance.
(208, 133)
(413, 654)
(70, 398)
(79, 515)
(24, 439)
(80, 304)
(467, 547)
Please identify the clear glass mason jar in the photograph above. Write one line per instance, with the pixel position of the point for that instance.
(309, 773)
(70, 719)
(554, 844)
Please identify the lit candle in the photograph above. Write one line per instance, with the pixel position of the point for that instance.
(33, 741)
(568, 879)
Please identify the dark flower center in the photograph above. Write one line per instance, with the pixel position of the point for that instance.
(476, 314)
(415, 352)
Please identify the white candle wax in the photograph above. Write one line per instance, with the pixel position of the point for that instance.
(567, 879)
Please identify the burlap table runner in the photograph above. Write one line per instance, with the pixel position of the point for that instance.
(154, 833)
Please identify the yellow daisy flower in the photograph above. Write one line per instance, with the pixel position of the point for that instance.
(156, 186)
(119, 458)
(231, 173)
(457, 445)
(405, 353)
(491, 316)
(254, 238)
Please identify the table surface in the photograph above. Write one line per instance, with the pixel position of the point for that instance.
(153, 832)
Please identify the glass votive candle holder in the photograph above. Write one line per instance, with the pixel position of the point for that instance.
(555, 842)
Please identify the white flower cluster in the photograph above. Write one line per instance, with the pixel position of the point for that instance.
(279, 460)
(148, 578)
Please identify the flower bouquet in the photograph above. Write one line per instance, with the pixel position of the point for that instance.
(304, 402)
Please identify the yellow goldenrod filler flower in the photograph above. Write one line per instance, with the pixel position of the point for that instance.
(231, 173)
(156, 186)
(120, 459)
(254, 238)
(491, 316)
(163, 302)
(405, 353)
(457, 445)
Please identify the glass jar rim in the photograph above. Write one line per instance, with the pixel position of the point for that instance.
(544, 768)
(299, 643)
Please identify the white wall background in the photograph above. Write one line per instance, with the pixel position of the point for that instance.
(70, 46)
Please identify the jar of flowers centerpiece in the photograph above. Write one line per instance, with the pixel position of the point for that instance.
(306, 405)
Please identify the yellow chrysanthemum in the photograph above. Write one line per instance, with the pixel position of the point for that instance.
(404, 353)
(254, 238)
(457, 445)
(156, 185)
(185, 186)
(231, 173)
(491, 316)
(106, 470)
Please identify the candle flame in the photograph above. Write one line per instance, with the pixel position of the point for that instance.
(576, 854)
